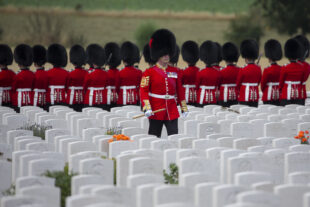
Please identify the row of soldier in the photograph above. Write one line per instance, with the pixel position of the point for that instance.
(96, 87)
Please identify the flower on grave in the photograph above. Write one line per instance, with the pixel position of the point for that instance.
(119, 137)
(303, 136)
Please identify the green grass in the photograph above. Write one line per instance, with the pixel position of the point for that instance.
(213, 6)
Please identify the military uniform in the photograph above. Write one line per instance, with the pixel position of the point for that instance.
(228, 93)
(270, 84)
(303, 90)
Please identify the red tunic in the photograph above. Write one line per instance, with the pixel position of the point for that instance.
(207, 83)
(113, 85)
(229, 77)
(188, 80)
(248, 80)
(40, 87)
(129, 81)
(22, 88)
(95, 84)
(291, 78)
(6, 81)
(159, 88)
(270, 83)
(57, 83)
(75, 83)
(303, 91)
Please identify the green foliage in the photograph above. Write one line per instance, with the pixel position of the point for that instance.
(246, 26)
(221, 6)
(173, 176)
(10, 191)
(38, 130)
(63, 181)
(114, 130)
(143, 33)
(287, 16)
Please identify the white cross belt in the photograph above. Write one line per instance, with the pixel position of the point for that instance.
(2, 89)
(19, 96)
(125, 88)
(226, 86)
(270, 85)
(289, 87)
(247, 89)
(203, 91)
(91, 93)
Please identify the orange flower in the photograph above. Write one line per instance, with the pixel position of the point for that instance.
(110, 140)
(301, 134)
(296, 137)
(304, 140)
(307, 132)
(114, 136)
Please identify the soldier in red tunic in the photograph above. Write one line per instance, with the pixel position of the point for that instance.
(305, 54)
(113, 56)
(271, 75)
(6, 75)
(250, 75)
(75, 93)
(41, 78)
(190, 54)
(129, 77)
(160, 84)
(147, 56)
(24, 80)
(228, 93)
(57, 76)
(96, 81)
(208, 80)
(292, 75)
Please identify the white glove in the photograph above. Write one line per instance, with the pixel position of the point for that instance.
(148, 113)
(184, 114)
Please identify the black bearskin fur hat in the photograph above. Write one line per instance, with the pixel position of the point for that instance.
(23, 55)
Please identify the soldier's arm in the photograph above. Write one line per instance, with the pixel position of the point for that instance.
(181, 93)
(144, 90)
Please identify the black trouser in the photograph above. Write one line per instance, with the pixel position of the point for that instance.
(77, 107)
(276, 103)
(156, 126)
(228, 103)
(249, 103)
(47, 106)
(285, 102)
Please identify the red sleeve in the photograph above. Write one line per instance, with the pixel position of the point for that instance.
(197, 82)
(264, 80)
(117, 84)
(15, 83)
(282, 78)
(86, 82)
(239, 79)
(144, 89)
(180, 89)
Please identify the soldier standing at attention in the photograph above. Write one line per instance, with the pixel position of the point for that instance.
(190, 54)
(41, 78)
(160, 84)
(96, 81)
(250, 75)
(129, 76)
(57, 76)
(208, 80)
(113, 56)
(24, 81)
(6, 75)
(228, 93)
(292, 75)
(75, 95)
(271, 75)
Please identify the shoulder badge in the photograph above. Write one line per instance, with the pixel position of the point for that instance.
(144, 81)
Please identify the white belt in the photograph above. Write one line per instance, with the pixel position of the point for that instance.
(203, 91)
(226, 86)
(19, 96)
(187, 87)
(125, 88)
(73, 89)
(53, 91)
(109, 93)
(36, 92)
(289, 87)
(1, 92)
(161, 96)
(270, 85)
(247, 89)
(91, 93)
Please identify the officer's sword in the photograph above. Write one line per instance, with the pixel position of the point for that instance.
(259, 57)
(154, 112)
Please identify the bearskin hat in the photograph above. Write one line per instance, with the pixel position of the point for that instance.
(230, 52)
(162, 43)
(95, 55)
(77, 55)
(113, 54)
(190, 52)
(293, 49)
(305, 43)
(39, 55)
(219, 54)
(273, 50)
(208, 52)
(130, 53)
(249, 49)
(175, 58)
(147, 54)
(6, 55)
(23, 55)
(57, 55)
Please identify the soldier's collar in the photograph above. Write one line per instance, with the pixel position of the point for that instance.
(231, 64)
(40, 68)
(5, 68)
(274, 63)
(161, 67)
(24, 69)
(293, 61)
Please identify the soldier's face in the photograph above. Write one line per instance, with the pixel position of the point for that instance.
(165, 59)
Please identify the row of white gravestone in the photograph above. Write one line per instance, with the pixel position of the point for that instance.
(141, 162)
